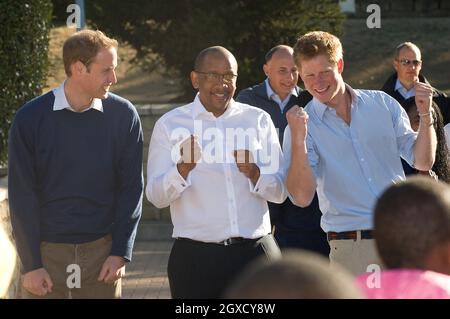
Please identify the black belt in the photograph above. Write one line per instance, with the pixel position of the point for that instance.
(226, 242)
(352, 234)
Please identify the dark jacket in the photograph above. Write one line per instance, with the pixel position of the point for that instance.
(440, 98)
(285, 216)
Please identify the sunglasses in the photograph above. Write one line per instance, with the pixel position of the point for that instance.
(407, 62)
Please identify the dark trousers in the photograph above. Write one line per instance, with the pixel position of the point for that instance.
(199, 270)
(315, 241)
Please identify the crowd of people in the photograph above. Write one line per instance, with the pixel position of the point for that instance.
(277, 193)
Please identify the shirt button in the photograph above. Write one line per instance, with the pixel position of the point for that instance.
(362, 159)
(370, 179)
(183, 184)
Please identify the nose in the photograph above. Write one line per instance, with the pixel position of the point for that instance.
(113, 78)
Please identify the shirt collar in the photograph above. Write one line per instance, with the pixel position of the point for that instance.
(399, 87)
(199, 110)
(61, 102)
(320, 108)
(271, 93)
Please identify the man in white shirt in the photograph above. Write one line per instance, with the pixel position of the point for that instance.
(216, 162)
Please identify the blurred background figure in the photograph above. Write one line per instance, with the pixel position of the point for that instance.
(7, 262)
(412, 235)
(441, 168)
(298, 275)
(402, 84)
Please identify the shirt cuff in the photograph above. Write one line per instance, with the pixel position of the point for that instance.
(175, 180)
(259, 186)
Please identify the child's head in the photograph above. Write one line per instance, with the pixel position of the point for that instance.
(412, 225)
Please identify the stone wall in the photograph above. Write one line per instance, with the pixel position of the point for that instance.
(5, 222)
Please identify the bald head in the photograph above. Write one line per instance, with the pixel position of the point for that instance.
(278, 51)
(281, 70)
(216, 51)
(297, 275)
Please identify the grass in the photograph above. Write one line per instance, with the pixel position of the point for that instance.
(367, 55)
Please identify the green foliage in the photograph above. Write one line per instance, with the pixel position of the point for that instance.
(23, 57)
(177, 30)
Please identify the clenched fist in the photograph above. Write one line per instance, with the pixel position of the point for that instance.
(298, 122)
(191, 152)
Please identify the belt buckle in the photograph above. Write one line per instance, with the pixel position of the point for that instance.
(227, 242)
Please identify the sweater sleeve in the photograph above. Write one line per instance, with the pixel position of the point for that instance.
(23, 192)
(129, 189)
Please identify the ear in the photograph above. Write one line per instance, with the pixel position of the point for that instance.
(395, 64)
(77, 68)
(340, 65)
(266, 70)
(194, 80)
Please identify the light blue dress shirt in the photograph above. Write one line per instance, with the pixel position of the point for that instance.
(353, 164)
(274, 97)
(403, 91)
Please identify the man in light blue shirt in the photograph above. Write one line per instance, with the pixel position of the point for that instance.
(293, 226)
(348, 145)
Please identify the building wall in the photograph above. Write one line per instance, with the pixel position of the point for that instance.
(405, 8)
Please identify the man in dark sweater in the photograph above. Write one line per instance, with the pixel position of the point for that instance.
(295, 227)
(401, 84)
(75, 178)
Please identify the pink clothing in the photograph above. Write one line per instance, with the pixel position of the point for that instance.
(404, 284)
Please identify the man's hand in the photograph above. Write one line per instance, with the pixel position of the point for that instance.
(113, 268)
(424, 97)
(246, 165)
(38, 282)
(191, 152)
(297, 119)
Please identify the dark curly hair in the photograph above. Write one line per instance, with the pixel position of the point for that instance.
(411, 218)
(441, 164)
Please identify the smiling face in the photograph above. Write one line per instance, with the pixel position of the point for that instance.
(322, 78)
(97, 79)
(215, 92)
(282, 72)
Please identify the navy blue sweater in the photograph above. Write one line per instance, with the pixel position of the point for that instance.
(286, 217)
(74, 177)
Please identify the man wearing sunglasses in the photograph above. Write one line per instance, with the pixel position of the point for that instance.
(401, 85)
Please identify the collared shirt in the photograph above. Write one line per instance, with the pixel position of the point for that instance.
(274, 97)
(353, 164)
(403, 91)
(61, 102)
(216, 201)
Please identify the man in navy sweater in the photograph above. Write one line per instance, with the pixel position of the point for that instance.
(75, 178)
(295, 227)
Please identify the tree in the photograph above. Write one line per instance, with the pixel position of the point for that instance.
(23, 58)
(173, 32)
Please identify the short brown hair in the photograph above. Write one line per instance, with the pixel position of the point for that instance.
(83, 46)
(315, 43)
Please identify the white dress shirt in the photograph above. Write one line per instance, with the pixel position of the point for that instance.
(216, 201)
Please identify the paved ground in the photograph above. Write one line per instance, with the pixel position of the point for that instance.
(146, 275)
